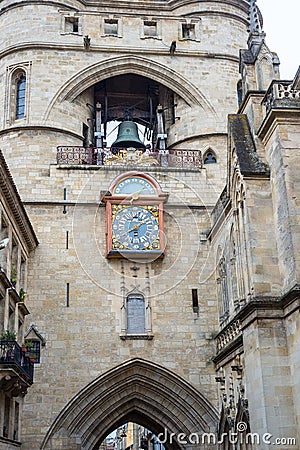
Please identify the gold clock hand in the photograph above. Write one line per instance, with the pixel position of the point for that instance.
(137, 192)
(135, 195)
(135, 227)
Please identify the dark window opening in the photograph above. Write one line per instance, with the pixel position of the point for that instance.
(20, 98)
(240, 92)
(6, 416)
(188, 31)
(16, 422)
(210, 158)
(111, 27)
(150, 28)
(195, 300)
(85, 134)
(34, 350)
(71, 24)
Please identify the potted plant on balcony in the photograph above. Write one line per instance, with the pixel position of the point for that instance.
(13, 278)
(6, 346)
(7, 335)
(26, 345)
(28, 348)
(22, 295)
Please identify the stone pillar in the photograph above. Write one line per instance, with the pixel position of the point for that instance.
(269, 384)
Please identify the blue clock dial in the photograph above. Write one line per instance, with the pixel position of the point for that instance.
(135, 228)
(134, 185)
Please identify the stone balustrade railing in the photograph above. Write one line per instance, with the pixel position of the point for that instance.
(228, 335)
(281, 94)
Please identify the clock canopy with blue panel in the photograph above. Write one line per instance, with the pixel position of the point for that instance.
(134, 184)
(134, 211)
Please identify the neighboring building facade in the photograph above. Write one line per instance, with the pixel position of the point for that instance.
(16, 368)
(165, 285)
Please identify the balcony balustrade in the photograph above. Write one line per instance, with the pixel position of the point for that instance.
(176, 158)
(16, 368)
(281, 94)
(231, 332)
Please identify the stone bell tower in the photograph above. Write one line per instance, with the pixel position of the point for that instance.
(122, 286)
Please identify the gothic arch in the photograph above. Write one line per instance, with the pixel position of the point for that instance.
(208, 150)
(264, 68)
(130, 64)
(237, 187)
(14, 74)
(136, 390)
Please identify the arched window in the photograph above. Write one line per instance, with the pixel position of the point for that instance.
(265, 73)
(210, 157)
(20, 96)
(222, 289)
(135, 309)
(233, 269)
(239, 89)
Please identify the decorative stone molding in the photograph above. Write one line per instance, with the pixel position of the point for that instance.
(281, 94)
(229, 334)
(136, 65)
(13, 72)
(12, 196)
(122, 392)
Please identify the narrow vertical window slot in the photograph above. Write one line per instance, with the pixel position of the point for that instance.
(195, 300)
(68, 295)
(65, 198)
(21, 95)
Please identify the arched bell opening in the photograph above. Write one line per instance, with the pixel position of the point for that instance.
(129, 110)
(136, 391)
(162, 103)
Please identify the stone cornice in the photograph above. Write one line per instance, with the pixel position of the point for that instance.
(24, 46)
(145, 5)
(246, 100)
(270, 307)
(260, 308)
(275, 117)
(15, 204)
(39, 127)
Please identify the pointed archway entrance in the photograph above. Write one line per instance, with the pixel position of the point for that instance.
(137, 391)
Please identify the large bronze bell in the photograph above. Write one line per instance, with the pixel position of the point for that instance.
(128, 136)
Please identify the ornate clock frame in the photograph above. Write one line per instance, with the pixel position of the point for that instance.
(152, 201)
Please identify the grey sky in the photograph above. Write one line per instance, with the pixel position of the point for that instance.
(281, 24)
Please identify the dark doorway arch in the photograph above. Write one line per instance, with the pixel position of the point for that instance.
(138, 391)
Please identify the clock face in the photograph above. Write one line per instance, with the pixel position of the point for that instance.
(134, 185)
(135, 227)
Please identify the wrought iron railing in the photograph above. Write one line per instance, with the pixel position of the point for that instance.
(12, 354)
(180, 158)
(281, 94)
(76, 155)
(176, 158)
